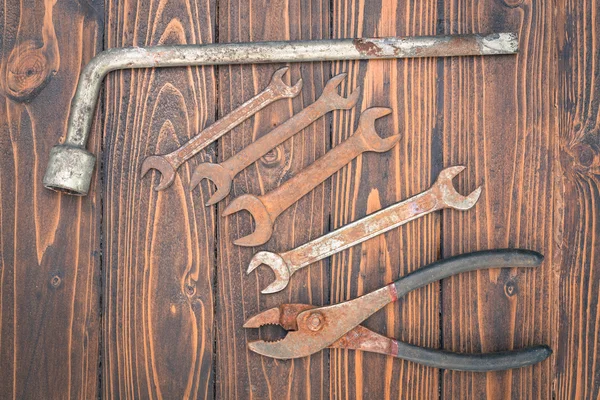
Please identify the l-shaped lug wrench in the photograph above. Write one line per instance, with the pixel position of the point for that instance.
(70, 165)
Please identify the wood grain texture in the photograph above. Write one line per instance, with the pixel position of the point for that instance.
(240, 372)
(376, 180)
(578, 344)
(159, 247)
(49, 258)
(499, 120)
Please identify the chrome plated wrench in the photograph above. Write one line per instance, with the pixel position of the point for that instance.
(167, 164)
(439, 196)
(266, 208)
(222, 174)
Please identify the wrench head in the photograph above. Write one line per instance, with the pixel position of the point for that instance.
(218, 175)
(337, 102)
(283, 88)
(262, 219)
(366, 127)
(163, 166)
(277, 264)
(448, 193)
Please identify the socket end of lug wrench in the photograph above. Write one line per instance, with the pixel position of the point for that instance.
(70, 170)
(449, 195)
(218, 175)
(159, 163)
(277, 264)
(262, 220)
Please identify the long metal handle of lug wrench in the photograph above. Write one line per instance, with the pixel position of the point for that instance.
(440, 195)
(70, 165)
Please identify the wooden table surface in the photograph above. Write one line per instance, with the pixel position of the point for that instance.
(130, 293)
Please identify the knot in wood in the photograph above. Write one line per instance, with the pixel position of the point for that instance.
(510, 288)
(28, 71)
(273, 158)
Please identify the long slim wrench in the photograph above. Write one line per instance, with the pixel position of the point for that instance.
(167, 164)
(312, 329)
(439, 196)
(222, 174)
(265, 209)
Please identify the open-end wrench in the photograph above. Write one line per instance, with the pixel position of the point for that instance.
(167, 164)
(439, 196)
(222, 174)
(265, 209)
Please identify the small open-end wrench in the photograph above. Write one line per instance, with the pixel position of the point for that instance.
(167, 164)
(265, 209)
(222, 174)
(439, 196)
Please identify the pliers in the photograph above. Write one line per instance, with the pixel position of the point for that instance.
(311, 329)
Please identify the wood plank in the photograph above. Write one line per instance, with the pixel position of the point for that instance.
(577, 364)
(241, 373)
(499, 120)
(49, 258)
(374, 181)
(159, 247)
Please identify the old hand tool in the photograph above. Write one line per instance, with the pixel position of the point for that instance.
(265, 209)
(440, 195)
(222, 174)
(312, 329)
(70, 165)
(167, 164)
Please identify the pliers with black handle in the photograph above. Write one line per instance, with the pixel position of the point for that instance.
(311, 329)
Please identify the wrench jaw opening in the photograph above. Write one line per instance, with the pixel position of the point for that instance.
(218, 175)
(449, 195)
(262, 220)
(337, 102)
(159, 163)
(366, 129)
(278, 265)
(279, 86)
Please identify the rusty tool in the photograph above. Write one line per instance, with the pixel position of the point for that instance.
(439, 196)
(222, 174)
(311, 329)
(70, 165)
(265, 209)
(167, 164)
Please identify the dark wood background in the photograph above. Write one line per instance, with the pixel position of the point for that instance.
(127, 293)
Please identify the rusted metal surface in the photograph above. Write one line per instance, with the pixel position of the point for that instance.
(442, 194)
(265, 209)
(168, 164)
(70, 166)
(222, 174)
(338, 326)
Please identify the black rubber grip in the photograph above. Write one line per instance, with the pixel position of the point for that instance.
(481, 362)
(500, 258)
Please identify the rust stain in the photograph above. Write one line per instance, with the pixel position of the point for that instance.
(367, 47)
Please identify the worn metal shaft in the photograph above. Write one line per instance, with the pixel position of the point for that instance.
(70, 166)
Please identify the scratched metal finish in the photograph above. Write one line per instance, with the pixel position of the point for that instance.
(70, 165)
